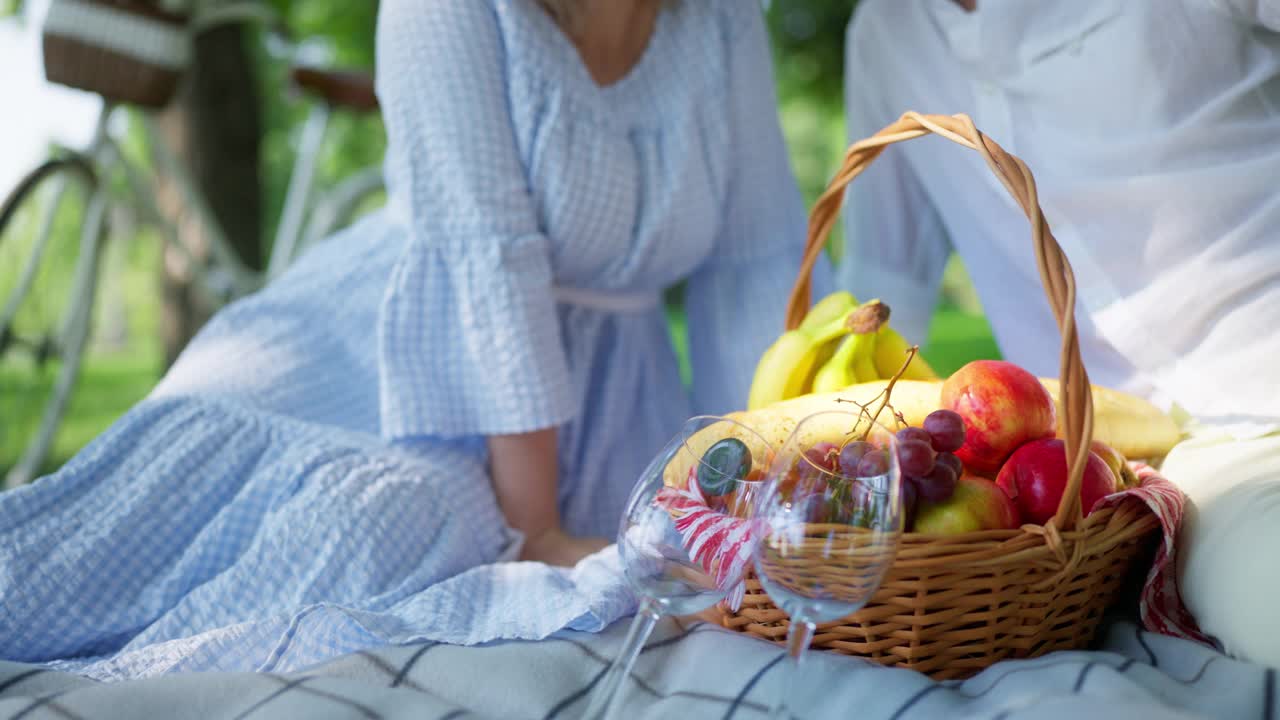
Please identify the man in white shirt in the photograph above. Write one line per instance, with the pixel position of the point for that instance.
(1153, 131)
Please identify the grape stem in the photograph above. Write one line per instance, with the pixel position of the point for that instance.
(883, 396)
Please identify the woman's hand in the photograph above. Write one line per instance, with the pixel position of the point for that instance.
(554, 547)
(525, 476)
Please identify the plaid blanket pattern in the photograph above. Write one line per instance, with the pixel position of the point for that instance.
(687, 670)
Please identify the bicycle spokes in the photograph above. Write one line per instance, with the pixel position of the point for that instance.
(50, 228)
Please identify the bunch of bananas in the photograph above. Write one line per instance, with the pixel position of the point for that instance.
(839, 343)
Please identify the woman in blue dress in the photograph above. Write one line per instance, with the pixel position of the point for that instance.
(476, 373)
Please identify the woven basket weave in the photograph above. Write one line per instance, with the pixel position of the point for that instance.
(952, 605)
(128, 51)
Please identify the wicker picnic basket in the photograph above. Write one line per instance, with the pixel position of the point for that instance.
(952, 605)
(128, 51)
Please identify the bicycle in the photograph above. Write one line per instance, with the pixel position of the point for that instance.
(46, 312)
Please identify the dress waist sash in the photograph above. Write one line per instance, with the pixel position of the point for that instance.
(608, 300)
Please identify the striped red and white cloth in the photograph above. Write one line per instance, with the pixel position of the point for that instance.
(720, 542)
(1160, 606)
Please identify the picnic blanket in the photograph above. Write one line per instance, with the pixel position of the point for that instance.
(688, 671)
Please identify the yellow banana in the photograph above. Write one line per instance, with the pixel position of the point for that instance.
(864, 366)
(835, 305)
(787, 367)
(852, 361)
(1135, 427)
(823, 358)
(891, 351)
(829, 309)
(838, 372)
(774, 370)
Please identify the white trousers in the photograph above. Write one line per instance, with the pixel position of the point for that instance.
(1229, 546)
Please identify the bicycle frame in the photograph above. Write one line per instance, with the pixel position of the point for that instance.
(295, 233)
(45, 229)
(227, 277)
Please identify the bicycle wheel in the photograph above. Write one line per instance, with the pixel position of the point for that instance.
(51, 231)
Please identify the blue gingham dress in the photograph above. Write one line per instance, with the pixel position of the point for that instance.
(321, 443)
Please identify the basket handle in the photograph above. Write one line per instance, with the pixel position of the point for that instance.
(1075, 395)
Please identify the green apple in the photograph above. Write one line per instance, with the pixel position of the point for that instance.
(976, 504)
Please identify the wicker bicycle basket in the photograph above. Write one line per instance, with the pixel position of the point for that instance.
(951, 605)
(128, 51)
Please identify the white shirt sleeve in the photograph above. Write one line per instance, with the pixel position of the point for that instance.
(895, 245)
(1260, 12)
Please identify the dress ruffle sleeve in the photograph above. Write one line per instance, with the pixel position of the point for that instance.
(468, 337)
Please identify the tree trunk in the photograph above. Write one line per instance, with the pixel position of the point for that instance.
(215, 125)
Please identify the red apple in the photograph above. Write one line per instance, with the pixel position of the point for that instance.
(976, 504)
(1036, 477)
(1003, 406)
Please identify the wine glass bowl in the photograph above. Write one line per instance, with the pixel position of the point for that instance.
(834, 516)
(707, 474)
(832, 513)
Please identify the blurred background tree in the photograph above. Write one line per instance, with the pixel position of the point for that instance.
(215, 126)
(235, 123)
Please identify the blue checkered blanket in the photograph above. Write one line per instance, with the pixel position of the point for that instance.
(697, 671)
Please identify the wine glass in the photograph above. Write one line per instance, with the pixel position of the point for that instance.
(675, 553)
(833, 515)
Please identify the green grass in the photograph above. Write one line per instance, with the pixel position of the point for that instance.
(116, 374)
(957, 336)
(109, 385)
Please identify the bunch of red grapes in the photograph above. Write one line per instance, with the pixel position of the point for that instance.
(926, 457)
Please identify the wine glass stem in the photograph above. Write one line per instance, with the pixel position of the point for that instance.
(607, 693)
(799, 635)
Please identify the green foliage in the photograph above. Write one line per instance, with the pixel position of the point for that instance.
(808, 40)
(808, 49)
(956, 337)
(344, 32)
